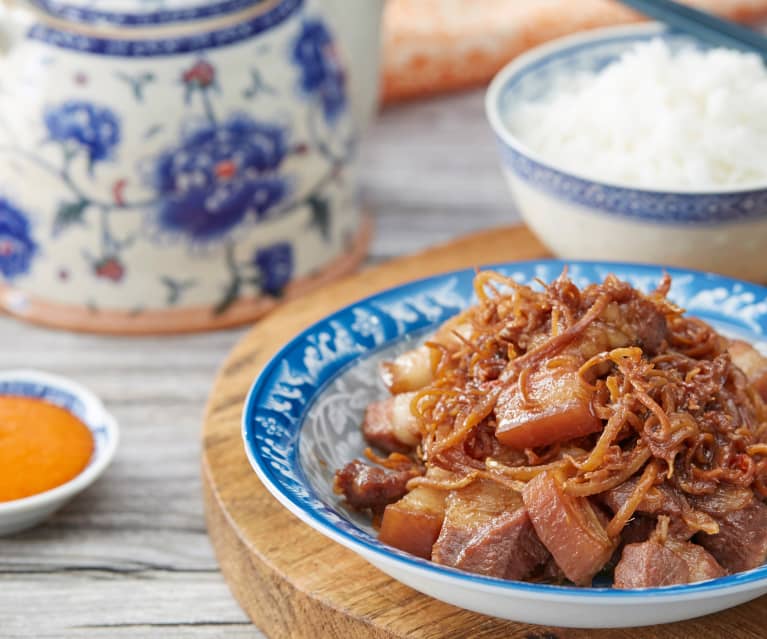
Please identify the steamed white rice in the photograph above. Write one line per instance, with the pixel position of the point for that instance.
(656, 119)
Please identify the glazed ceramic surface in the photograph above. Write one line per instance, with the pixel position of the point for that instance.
(302, 422)
(582, 218)
(24, 513)
(176, 155)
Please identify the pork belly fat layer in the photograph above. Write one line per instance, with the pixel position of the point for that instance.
(414, 369)
(390, 425)
(409, 372)
(413, 523)
(558, 409)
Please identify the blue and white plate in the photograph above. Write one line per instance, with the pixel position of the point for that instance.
(302, 421)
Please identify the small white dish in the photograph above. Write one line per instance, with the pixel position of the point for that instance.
(579, 217)
(21, 514)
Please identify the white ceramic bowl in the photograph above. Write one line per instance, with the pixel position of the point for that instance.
(24, 513)
(578, 217)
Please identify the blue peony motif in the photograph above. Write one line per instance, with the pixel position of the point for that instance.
(94, 128)
(16, 245)
(321, 72)
(218, 175)
(275, 267)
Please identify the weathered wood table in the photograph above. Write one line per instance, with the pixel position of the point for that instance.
(130, 556)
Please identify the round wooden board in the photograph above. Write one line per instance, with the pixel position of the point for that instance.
(295, 583)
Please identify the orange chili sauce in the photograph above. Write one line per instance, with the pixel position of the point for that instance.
(41, 446)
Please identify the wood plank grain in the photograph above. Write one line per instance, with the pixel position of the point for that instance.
(67, 603)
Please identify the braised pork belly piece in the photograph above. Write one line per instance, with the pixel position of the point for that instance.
(415, 369)
(390, 425)
(752, 363)
(556, 433)
(414, 522)
(550, 405)
(651, 564)
(373, 487)
(741, 543)
(487, 530)
(664, 560)
(571, 528)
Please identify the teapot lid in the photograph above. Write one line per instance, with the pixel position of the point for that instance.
(142, 13)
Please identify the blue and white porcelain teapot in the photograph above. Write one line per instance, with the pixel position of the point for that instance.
(178, 164)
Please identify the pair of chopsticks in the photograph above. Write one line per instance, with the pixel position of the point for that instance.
(703, 25)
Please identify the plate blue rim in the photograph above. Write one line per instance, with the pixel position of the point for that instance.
(367, 544)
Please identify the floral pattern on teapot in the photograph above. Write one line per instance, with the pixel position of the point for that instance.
(138, 13)
(17, 248)
(224, 170)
